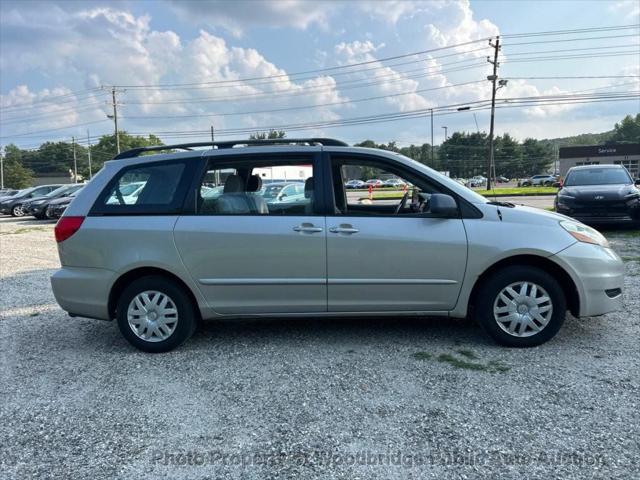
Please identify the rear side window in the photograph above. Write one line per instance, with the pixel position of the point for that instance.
(150, 189)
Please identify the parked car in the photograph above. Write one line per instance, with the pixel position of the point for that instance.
(502, 179)
(395, 183)
(475, 182)
(159, 265)
(283, 193)
(37, 206)
(13, 205)
(538, 180)
(56, 207)
(374, 182)
(353, 184)
(7, 192)
(600, 194)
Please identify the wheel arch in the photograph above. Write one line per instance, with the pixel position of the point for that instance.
(126, 278)
(569, 287)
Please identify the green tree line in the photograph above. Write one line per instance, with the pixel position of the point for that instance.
(462, 155)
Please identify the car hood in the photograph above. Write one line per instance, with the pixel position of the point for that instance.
(36, 199)
(590, 192)
(524, 214)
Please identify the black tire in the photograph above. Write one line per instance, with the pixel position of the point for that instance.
(16, 211)
(492, 287)
(187, 317)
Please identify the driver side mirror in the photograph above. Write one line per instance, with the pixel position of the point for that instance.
(443, 205)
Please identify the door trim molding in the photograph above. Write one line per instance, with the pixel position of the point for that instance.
(262, 281)
(390, 281)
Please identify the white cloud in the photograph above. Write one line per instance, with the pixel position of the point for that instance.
(104, 46)
(235, 16)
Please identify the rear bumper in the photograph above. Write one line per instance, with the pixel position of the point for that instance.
(598, 274)
(83, 292)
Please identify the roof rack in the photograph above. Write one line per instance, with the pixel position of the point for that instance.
(329, 142)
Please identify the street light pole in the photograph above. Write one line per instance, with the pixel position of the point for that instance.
(445, 133)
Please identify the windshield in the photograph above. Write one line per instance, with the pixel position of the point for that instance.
(597, 176)
(58, 190)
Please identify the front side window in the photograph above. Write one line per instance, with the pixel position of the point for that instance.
(257, 186)
(387, 189)
(153, 189)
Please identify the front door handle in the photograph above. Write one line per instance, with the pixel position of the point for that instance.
(307, 228)
(344, 229)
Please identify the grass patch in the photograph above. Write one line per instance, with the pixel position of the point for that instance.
(631, 259)
(466, 363)
(518, 191)
(498, 366)
(469, 354)
(458, 363)
(422, 356)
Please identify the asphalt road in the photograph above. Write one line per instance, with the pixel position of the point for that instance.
(308, 398)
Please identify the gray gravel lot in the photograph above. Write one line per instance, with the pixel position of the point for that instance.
(301, 398)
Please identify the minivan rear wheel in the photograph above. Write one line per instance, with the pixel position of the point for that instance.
(155, 314)
(521, 306)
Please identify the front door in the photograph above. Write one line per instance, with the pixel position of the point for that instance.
(384, 251)
(250, 249)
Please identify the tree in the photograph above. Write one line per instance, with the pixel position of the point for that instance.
(105, 149)
(537, 156)
(15, 174)
(627, 131)
(271, 134)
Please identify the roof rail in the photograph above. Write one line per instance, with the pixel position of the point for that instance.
(135, 152)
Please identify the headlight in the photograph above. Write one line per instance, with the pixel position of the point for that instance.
(564, 196)
(583, 233)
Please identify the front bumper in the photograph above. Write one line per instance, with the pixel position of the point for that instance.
(598, 274)
(83, 292)
(609, 213)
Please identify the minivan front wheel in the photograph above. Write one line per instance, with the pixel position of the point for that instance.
(521, 306)
(155, 314)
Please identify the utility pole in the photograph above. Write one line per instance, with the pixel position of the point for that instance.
(212, 136)
(1, 169)
(115, 117)
(445, 133)
(75, 162)
(217, 171)
(493, 79)
(89, 154)
(432, 164)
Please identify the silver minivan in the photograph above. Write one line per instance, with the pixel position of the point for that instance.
(176, 253)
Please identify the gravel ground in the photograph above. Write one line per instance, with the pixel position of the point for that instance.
(300, 398)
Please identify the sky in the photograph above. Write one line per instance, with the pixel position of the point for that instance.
(181, 67)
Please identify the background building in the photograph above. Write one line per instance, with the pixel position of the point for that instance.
(627, 154)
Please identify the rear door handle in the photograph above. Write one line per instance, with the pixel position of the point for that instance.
(307, 228)
(344, 229)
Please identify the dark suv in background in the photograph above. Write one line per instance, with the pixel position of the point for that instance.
(600, 194)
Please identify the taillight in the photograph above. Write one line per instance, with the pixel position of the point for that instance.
(66, 227)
